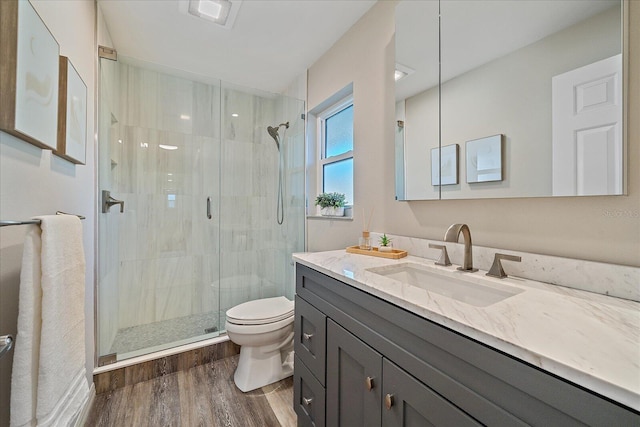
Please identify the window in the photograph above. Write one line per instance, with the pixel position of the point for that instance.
(335, 136)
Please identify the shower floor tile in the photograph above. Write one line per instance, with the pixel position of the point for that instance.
(164, 332)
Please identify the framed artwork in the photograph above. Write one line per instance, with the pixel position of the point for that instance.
(484, 159)
(72, 114)
(29, 78)
(444, 171)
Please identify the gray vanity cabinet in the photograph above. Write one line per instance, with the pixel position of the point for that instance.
(426, 374)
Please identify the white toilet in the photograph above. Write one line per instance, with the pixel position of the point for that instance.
(264, 330)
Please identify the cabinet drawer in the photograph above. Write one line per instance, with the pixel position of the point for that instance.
(308, 396)
(310, 338)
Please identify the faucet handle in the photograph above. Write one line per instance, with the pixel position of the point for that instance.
(444, 256)
(108, 201)
(496, 269)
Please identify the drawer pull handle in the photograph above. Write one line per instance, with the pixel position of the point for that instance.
(388, 401)
(306, 401)
(369, 383)
(307, 336)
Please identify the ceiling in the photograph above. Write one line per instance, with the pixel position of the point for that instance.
(271, 43)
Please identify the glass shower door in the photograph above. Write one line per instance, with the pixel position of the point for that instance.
(213, 205)
(159, 152)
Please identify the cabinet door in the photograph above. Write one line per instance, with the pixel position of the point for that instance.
(354, 380)
(409, 403)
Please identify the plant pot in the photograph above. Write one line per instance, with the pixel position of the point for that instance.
(385, 248)
(332, 211)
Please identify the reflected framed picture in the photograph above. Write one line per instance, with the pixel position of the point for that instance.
(484, 159)
(72, 114)
(445, 169)
(29, 78)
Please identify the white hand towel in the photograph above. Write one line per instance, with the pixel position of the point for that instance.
(62, 384)
(62, 387)
(24, 379)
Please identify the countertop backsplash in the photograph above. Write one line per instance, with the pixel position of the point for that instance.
(607, 279)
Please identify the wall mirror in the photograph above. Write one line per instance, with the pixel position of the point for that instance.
(546, 75)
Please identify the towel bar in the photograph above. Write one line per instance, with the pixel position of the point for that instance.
(4, 223)
(6, 342)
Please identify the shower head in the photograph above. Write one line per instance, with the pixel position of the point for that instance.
(274, 134)
(273, 131)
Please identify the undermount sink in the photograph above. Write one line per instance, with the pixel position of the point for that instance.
(477, 294)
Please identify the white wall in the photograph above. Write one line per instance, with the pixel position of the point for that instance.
(421, 129)
(364, 56)
(605, 228)
(34, 182)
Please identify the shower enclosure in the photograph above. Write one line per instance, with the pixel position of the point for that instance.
(198, 172)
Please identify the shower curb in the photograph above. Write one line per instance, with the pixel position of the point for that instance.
(118, 378)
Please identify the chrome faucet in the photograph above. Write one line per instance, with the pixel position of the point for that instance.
(452, 235)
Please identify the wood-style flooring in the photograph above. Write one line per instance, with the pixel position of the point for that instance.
(204, 395)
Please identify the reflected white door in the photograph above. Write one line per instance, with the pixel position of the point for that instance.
(587, 129)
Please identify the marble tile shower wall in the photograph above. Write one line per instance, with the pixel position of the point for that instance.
(255, 261)
(173, 260)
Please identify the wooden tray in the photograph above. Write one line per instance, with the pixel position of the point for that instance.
(394, 254)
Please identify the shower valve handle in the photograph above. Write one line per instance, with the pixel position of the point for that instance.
(108, 201)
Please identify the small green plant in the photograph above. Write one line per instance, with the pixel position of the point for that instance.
(384, 240)
(331, 200)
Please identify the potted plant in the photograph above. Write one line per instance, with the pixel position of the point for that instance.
(331, 204)
(385, 244)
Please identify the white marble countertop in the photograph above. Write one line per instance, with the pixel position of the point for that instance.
(589, 339)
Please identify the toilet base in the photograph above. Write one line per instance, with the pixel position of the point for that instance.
(259, 366)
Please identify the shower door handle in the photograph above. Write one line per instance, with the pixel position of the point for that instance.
(209, 207)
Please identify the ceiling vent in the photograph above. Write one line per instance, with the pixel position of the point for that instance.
(402, 71)
(221, 12)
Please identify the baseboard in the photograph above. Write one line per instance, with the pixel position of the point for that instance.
(81, 420)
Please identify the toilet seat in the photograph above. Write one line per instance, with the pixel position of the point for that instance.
(260, 312)
(263, 328)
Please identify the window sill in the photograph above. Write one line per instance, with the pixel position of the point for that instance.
(330, 218)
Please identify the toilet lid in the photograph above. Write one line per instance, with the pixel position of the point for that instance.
(261, 311)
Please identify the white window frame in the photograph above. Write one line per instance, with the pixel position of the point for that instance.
(322, 159)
